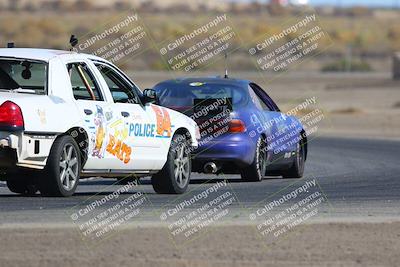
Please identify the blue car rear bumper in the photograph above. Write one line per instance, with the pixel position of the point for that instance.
(236, 148)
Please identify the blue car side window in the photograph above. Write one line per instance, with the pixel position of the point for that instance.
(257, 100)
(265, 97)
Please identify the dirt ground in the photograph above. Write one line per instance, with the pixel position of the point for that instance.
(328, 244)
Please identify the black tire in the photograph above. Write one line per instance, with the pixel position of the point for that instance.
(126, 180)
(256, 171)
(296, 170)
(170, 180)
(62, 172)
(22, 183)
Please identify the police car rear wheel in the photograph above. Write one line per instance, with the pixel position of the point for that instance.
(61, 175)
(22, 183)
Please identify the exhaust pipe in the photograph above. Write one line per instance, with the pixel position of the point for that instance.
(4, 143)
(211, 168)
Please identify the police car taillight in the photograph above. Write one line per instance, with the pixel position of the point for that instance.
(11, 116)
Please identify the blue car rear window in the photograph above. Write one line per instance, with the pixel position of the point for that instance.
(182, 97)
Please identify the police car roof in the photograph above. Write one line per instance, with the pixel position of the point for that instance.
(40, 54)
(32, 53)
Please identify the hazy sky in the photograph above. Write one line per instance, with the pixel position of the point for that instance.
(387, 3)
(373, 3)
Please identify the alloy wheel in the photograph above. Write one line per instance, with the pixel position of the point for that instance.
(69, 167)
(182, 166)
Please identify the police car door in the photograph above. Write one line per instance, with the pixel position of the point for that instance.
(132, 134)
(95, 110)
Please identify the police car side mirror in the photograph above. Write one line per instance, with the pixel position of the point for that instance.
(149, 96)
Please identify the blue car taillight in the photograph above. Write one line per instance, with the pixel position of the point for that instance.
(237, 126)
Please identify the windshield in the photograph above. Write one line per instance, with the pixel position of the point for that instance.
(23, 75)
(186, 97)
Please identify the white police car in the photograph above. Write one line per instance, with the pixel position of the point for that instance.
(65, 115)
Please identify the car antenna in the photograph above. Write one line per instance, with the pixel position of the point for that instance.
(73, 41)
(226, 66)
(10, 45)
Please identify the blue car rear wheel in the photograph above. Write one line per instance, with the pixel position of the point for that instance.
(297, 168)
(256, 171)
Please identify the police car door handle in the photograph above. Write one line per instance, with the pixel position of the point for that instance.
(88, 112)
(125, 114)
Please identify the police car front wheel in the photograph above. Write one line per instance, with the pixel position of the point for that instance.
(174, 178)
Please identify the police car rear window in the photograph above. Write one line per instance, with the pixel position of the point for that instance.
(23, 76)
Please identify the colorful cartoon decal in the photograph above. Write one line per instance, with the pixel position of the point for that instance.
(99, 122)
(163, 121)
(119, 149)
(109, 115)
(42, 116)
(120, 131)
(113, 136)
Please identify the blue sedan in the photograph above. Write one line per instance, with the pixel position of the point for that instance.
(242, 129)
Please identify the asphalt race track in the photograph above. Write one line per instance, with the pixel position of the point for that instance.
(361, 180)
